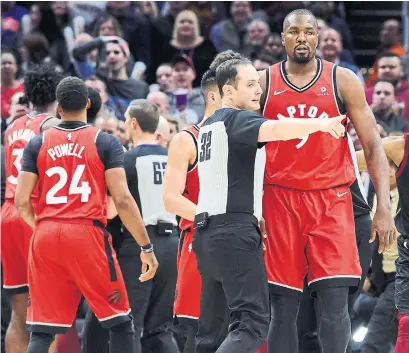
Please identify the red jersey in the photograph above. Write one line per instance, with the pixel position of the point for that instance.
(17, 136)
(71, 175)
(317, 161)
(192, 179)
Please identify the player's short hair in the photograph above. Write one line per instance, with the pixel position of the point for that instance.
(390, 55)
(304, 12)
(146, 114)
(95, 107)
(226, 73)
(40, 83)
(223, 57)
(208, 81)
(72, 94)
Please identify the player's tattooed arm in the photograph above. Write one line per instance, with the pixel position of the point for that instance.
(182, 152)
(394, 147)
(352, 94)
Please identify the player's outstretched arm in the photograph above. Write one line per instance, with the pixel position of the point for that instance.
(128, 211)
(22, 199)
(282, 130)
(394, 147)
(179, 155)
(352, 94)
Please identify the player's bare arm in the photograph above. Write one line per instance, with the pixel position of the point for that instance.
(282, 130)
(128, 211)
(352, 94)
(25, 186)
(50, 123)
(182, 152)
(394, 147)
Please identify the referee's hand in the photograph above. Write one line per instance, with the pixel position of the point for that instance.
(334, 126)
(149, 266)
(262, 225)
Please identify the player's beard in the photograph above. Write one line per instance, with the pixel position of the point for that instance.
(302, 59)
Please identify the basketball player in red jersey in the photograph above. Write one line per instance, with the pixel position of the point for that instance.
(40, 83)
(307, 204)
(181, 192)
(397, 151)
(71, 252)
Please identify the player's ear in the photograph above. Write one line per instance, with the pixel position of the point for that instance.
(88, 103)
(282, 38)
(59, 110)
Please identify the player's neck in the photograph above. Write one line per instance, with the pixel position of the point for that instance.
(48, 109)
(208, 113)
(144, 139)
(296, 69)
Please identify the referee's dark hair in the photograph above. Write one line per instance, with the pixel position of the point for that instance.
(208, 82)
(145, 113)
(40, 83)
(226, 73)
(223, 57)
(72, 94)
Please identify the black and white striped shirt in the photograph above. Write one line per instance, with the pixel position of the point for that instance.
(231, 163)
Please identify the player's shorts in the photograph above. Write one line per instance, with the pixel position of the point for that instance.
(402, 276)
(15, 242)
(310, 233)
(189, 283)
(66, 261)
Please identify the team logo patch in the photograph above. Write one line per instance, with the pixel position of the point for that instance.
(323, 90)
(115, 297)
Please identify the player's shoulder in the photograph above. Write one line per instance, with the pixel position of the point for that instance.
(345, 75)
(182, 144)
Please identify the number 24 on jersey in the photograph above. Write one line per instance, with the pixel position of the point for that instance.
(74, 189)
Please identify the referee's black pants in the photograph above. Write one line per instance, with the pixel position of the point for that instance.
(230, 261)
(151, 302)
(307, 322)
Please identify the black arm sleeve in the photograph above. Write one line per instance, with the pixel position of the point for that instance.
(110, 151)
(244, 127)
(81, 51)
(30, 155)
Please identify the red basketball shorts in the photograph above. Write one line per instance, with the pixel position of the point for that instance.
(310, 233)
(189, 283)
(15, 242)
(67, 260)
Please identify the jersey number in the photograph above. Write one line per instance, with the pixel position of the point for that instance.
(18, 153)
(158, 172)
(205, 144)
(84, 190)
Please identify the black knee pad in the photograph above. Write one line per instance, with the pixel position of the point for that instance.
(40, 342)
(125, 327)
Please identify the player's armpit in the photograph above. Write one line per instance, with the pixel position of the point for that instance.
(181, 152)
(50, 123)
(22, 199)
(125, 204)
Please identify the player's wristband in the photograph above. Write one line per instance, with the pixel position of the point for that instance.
(147, 248)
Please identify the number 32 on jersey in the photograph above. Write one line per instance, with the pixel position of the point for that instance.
(74, 189)
(205, 146)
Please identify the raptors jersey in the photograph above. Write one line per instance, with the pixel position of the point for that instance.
(317, 161)
(71, 175)
(402, 180)
(192, 180)
(17, 136)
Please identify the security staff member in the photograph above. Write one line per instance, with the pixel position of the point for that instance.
(151, 302)
(227, 239)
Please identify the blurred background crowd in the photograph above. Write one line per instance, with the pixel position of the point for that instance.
(159, 50)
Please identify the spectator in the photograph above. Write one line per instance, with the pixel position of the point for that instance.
(391, 42)
(232, 33)
(148, 9)
(120, 87)
(183, 77)
(187, 40)
(11, 15)
(161, 100)
(107, 125)
(19, 106)
(35, 17)
(382, 107)
(174, 126)
(273, 47)
(330, 47)
(9, 84)
(257, 34)
(164, 77)
(108, 106)
(390, 68)
(163, 132)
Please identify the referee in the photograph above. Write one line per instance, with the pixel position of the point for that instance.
(152, 301)
(227, 239)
